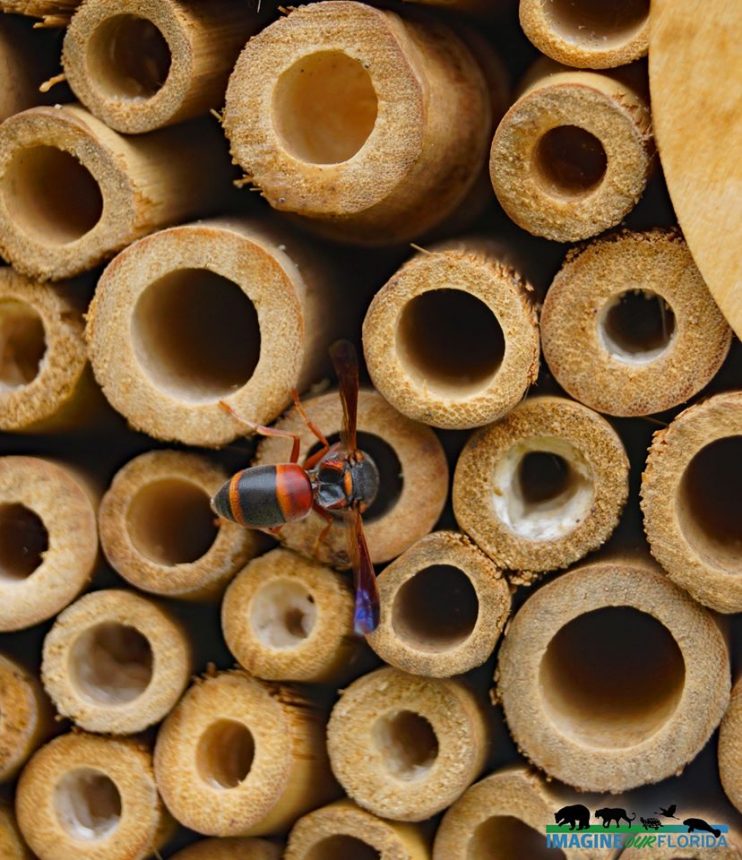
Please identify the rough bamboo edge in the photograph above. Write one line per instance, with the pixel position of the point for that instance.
(23, 66)
(231, 849)
(115, 662)
(557, 702)
(287, 618)
(242, 757)
(91, 798)
(27, 718)
(619, 365)
(444, 604)
(523, 524)
(12, 846)
(73, 191)
(572, 156)
(396, 520)
(343, 830)
(144, 64)
(257, 327)
(491, 356)
(589, 36)
(730, 748)
(56, 12)
(418, 128)
(47, 515)
(691, 504)
(405, 747)
(158, 531)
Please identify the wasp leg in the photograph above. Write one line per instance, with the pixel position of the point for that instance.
(318, 455)
(265, 431)
(329, 520)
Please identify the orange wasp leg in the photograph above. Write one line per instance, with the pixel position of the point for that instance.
(318, 455)
(265, 431)
(329, 520)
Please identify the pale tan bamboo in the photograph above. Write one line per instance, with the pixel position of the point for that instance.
(25, 718)
(73, 191)
(730, 748)
(612, 677)
(230, 849)
(691, 500)
(12, 846)
(58, 12)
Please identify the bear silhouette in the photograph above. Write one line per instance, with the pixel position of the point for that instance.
(577, 814)
(608, 815)
(699, 824)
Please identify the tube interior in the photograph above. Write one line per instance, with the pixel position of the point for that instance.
(50, 196)
(87, 803)
(636, 327)
(171, 522)
(450, 342)
(24, 541)
(282, 613)
(342, 847)
(407, 743)
(612, 677)
(225, 754)
(22, 344)
(111, 663)
(196, 335)
(602, 25)
(503, 837)
(709, 503)
(436, 609)
(569, 161)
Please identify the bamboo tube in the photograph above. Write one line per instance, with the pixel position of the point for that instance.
(230, 849)
(588, 34)
(629, 327)
(241, 757)
(356, 118)
(48, 540)
(444, 604)
(158, 531)
(286, 618)
(413, 477)
(405, 747)
(73, 191)
(730, 748)
(12, 847)
(23, 66)
(57, 11)
(115, 662)
(234, 310)
(690, 499)
(612, 657)
(571, 157)
(452, 338)
(144, 64)
(344, 831)
(25, 718)
(541, 488)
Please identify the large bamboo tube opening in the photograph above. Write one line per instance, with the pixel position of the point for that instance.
(225, 753)
(88, 804)
(341, 847)
(607, 22)
(22, 343)
(111, 663)
(23, 541)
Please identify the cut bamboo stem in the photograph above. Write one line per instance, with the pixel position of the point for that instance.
(115, 662)
(48, 540)
(355, 118)
(26, 718)
(542, 487)
(452, 338)
(611, 677)
(158, 530)
(444, 604)
(572, 156)
(73, 191)
(223, 310)
(59, 11)
(730, 748)
(241, 757)
(629, 327)
(12, 846)
(405, 747)
(412, 469)
(231, 849)
(691, 501)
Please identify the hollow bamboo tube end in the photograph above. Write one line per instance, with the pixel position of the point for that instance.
(241, 757)
(26, 718)
(542, 487)
(231, 849)
(730, 748)
(12, 846)
(571, 157)
(612, 657)
(452, 339)
(405, 747)
(158, 530)
(444, 604)
(629, 327)
(691, 501)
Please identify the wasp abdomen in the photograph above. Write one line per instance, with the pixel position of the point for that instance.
(265, 496)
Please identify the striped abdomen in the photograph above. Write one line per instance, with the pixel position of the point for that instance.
(265, 496)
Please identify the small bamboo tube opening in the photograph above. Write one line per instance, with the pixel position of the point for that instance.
(730, 748)
(23, 541)
(24, 344)
(25, 718)
(12, 847)
(229, 849)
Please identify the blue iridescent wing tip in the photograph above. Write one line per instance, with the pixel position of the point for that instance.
(366, 615)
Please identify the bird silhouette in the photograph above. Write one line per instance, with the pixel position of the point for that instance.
(669, 812)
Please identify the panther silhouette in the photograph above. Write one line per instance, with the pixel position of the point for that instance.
(575, 814)
(609, 815)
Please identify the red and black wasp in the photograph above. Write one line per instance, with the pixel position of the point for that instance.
(337, 480)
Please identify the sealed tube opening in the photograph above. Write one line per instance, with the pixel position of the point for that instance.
(342, 847)
(569, 161)
(600, 25)
(22, 344)
(128, 58)
(196, 335)
(502, 837)
(23, 542)
(87, 803)
(407, 743)
(637, 326)
(111, 663)
(709, 503)
(171, 522)
(324, 107)
(225, 754)
(451, 342)
(435, 609)
(612, 677)
(282, 614)
(50, 196)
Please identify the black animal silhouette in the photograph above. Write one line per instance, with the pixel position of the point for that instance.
(609, 815)
(669, 812)
(699, 824)
(577, 814)
(651, 823)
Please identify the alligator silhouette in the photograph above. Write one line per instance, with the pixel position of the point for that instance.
(699, 824)
(572, 815)
(609, 815)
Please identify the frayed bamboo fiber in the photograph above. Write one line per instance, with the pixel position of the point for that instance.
(12, 846)
(730, 748)
(59, 11)
(25, 718)
(231, 849)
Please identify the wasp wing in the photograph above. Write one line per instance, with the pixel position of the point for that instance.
(345, 361)
(366, 613)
